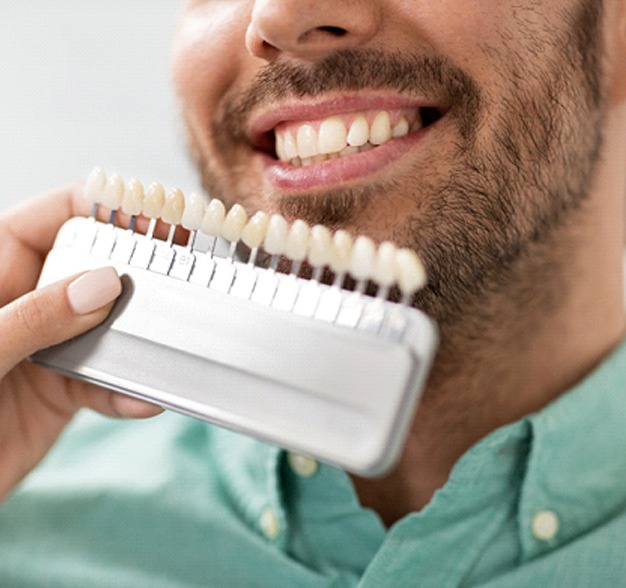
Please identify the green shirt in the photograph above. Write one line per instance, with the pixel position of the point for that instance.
(175, 502)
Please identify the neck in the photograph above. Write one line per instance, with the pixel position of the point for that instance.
(563, 313)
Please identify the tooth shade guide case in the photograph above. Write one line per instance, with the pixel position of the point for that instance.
(311, 367)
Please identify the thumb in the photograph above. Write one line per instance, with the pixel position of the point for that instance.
(55, 313)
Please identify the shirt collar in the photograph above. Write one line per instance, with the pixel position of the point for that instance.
(576, 468)
(249, 471)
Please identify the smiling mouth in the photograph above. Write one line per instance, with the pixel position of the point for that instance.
(305, 143)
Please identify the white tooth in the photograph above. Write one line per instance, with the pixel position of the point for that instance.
(194, 212)
(320, 244)
(280, 147)
(348, 151)
(306, 141)
(381, 128)
(254, 232)
(305, 161)
(213, 218)
(363, 258)
(341, 252)
(384, 268)
(359, 132)
(365, 147)
(291, 149)
(132, 201)
(401, 128)
(94, 187)
(297, 240)
(410, 271)
(154, 200)
(234, 223)
(332, 136)
(276, 235)
(113, 192)
(174, 207)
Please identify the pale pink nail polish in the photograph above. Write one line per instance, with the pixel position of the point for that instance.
(93, 290)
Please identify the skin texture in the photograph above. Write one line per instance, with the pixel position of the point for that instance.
(514, 198)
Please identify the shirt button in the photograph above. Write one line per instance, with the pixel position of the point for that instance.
(545, 525)
(270, 524)
(302, 465)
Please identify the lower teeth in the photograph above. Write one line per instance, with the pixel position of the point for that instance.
(350, 150)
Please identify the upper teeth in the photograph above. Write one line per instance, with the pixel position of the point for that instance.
(312, 142)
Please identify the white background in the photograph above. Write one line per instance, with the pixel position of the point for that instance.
(86, 83)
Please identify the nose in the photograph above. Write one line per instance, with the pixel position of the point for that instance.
(308, 29)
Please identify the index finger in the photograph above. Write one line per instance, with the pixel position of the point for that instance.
(27, 233)
(35, 222)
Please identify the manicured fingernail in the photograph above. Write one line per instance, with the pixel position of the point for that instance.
(93, 290)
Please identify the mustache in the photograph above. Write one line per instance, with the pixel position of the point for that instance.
(434, 77)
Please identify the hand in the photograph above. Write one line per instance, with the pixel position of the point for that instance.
(35, 403)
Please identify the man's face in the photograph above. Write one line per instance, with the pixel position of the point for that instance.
(497, 106)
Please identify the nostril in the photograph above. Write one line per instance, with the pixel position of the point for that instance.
(335, 31)
(308, 29)
(323, 35)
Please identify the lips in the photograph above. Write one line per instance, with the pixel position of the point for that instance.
(303, 146)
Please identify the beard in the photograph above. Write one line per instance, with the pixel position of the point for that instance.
(517, 172)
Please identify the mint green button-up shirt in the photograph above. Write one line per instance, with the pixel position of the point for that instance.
(173, 502)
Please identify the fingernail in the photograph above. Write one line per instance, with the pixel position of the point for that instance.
(93, 290)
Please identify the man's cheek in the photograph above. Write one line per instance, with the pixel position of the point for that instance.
(206, 56)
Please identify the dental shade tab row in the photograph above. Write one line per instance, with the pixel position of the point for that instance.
(203, 262)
